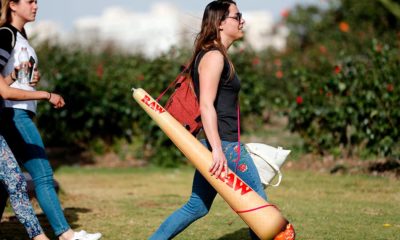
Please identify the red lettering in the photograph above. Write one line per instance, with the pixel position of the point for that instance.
(222, 177)
(153, 105)
(146, 100)
(159, 109)
(231, 179)
(241, 185)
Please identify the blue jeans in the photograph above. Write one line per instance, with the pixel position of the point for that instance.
(25, 142)
(203, 193)
(12, 177)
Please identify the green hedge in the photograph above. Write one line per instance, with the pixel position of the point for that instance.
(347, 78)
(353, 108)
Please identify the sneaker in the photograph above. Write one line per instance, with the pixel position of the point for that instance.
(83, 235)
(287, 234)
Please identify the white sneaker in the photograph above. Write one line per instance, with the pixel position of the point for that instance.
(83, 235)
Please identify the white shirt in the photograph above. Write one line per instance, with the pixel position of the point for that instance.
(13, 61)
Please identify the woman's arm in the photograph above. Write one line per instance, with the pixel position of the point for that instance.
(9, 93)
(210, 70)
(11, 78)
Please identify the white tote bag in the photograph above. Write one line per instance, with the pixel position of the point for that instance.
(268, 161)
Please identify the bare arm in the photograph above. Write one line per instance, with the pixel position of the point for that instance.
(9, 93)
(210, 70)
(10, 79)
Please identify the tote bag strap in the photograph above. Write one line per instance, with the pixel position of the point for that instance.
(274, 166)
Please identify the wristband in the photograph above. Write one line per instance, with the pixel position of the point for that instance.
(49, 96)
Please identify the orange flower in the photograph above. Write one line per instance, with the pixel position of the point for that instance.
(285, 13)
(279, 74)
(278, 62)
(322, 49)
(337, 69)
(390, 87)
(344, 27)
(256, 61)
(140, 77)
(100, 70)
(378, 47)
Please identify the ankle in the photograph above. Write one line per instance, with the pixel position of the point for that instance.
(68, 235)
(41, 237)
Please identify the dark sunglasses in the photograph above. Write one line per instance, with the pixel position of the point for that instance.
(238, 17)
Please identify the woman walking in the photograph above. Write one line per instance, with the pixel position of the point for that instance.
(217, 86)
(10, 173)
(16, 118)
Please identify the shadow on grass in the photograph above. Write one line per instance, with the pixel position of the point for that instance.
(240, 234)
(71, 156)
(12, 229)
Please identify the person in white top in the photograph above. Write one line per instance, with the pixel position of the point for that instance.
(16, 123)
(10, 173)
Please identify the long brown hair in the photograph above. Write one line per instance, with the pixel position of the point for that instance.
(209, 36)
(5, 13)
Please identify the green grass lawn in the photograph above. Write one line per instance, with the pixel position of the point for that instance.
(132, 203)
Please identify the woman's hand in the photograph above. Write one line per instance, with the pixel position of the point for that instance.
(35, 78)
(56, 100)
(219, 164)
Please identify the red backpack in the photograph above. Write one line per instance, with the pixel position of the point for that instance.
(183, 104)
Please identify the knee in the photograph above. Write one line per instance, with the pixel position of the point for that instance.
(43, 180)
(40, 171)
(202, 212)
(196, 210)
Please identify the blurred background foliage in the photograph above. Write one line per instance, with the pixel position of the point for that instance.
(337, 81)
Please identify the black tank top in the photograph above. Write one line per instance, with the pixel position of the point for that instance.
(225, 101)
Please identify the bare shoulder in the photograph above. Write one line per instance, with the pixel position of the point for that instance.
(212, 59)
(213, 55)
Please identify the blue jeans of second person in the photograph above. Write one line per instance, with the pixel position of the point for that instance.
(203, 193)
(26, 143)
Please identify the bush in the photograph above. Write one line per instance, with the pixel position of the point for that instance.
(347, 84)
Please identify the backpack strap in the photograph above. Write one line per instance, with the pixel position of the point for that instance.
(12, 34)
(179, 77)
(6, 49)
(172, 83)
